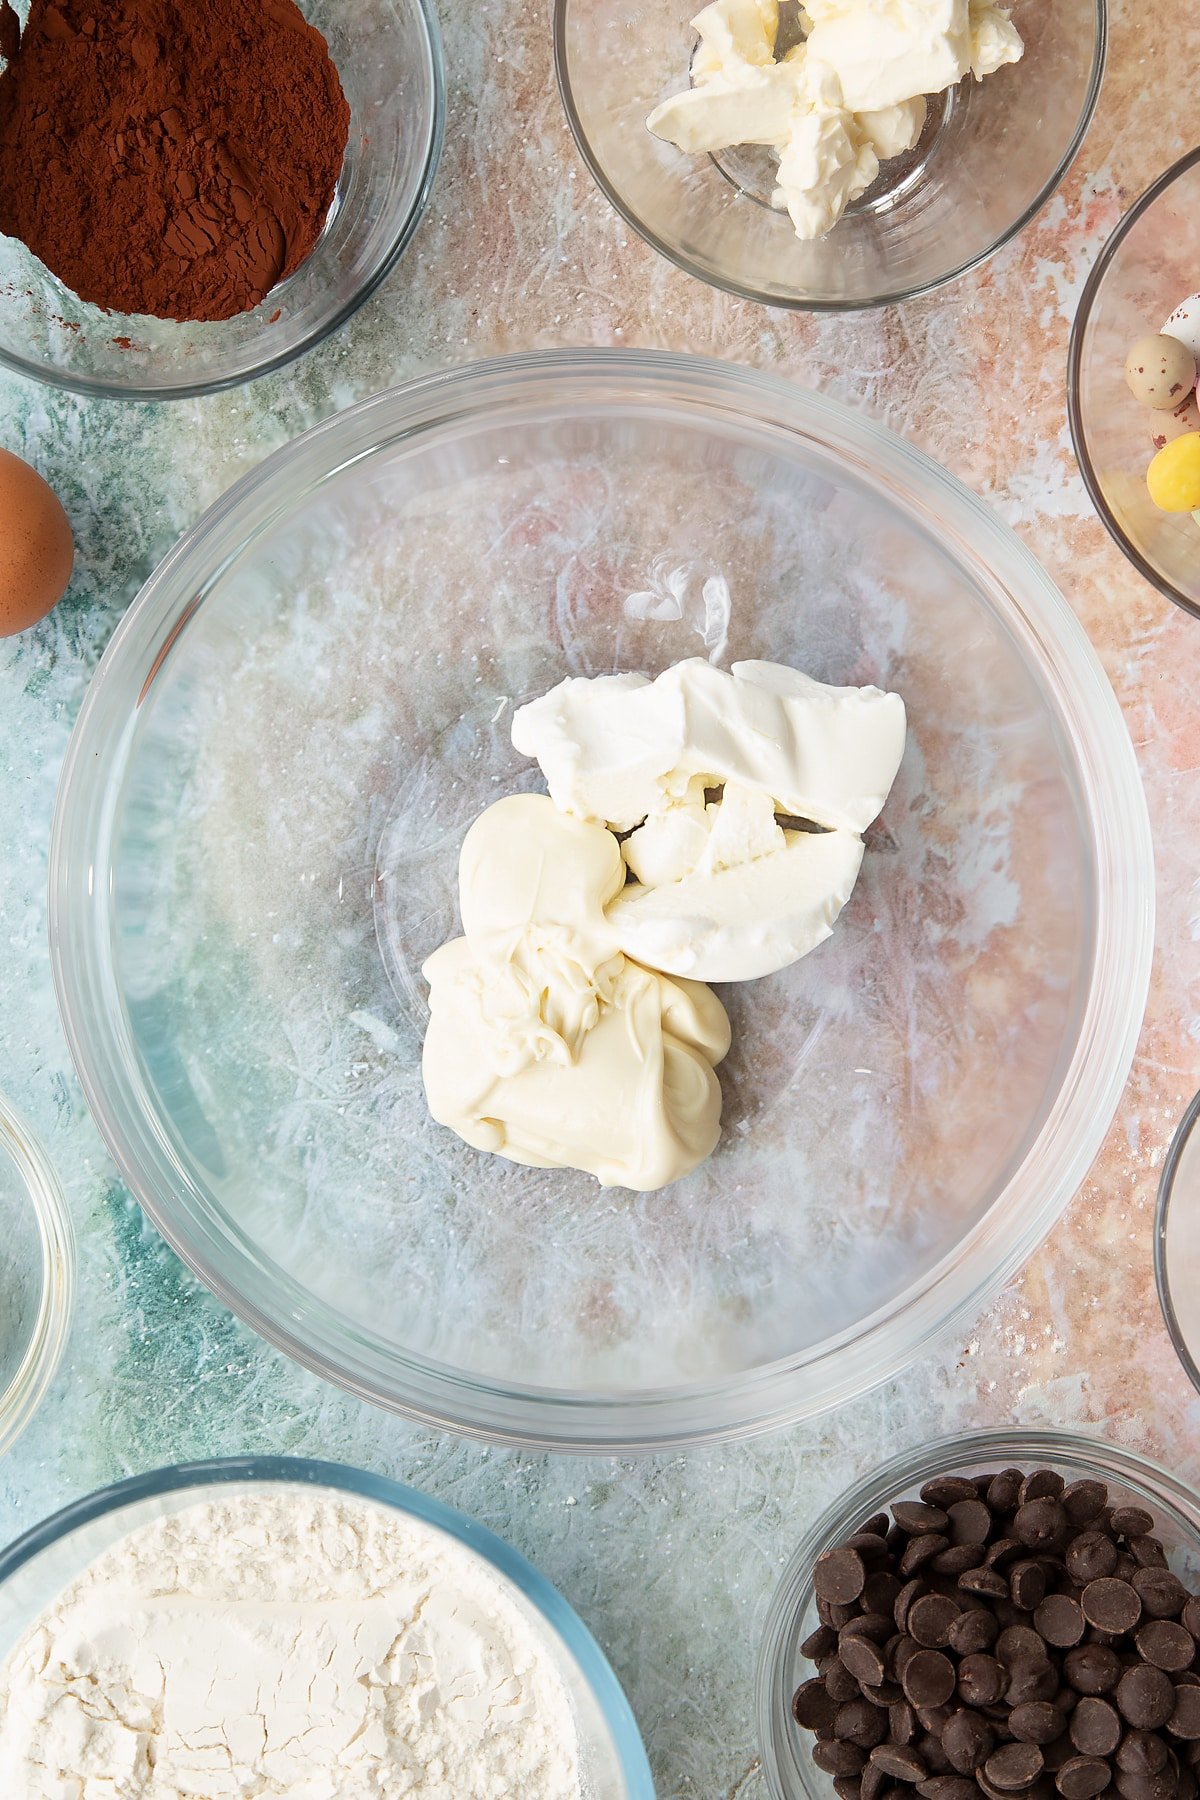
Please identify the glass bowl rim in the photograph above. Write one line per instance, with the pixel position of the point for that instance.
(552, 1608)
(20, 1145)
(928, 497)
(1075, 419)
(97, 388)
(893, 1478)
(1166, 1190)
(896, 296)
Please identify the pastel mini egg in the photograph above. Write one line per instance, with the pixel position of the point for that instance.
(1174, 476)
(1167, 426)
(1161, 372)
(1184, 324)
(36, 547)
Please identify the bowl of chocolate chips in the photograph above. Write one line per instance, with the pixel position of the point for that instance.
(1005, 1616)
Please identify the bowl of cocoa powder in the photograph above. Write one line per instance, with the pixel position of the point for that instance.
(195, 192)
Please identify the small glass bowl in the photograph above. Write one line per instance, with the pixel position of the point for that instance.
(1149, 264)
(992, 154)
(37, 1274)
(388, 54)
(790, 1771)
(1177, 1242)
(36, 1568)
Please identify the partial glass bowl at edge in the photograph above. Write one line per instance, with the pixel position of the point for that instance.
(992, 154)
(37, 1274)
(791, 1774)
(388, 54)
(1148, 266)
(36, 1568)
(1177, 1242)
(256, 843)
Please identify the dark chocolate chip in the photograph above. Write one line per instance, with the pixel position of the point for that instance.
(1083, 1778)
(918, 1518)
(812, 1706)
(1111, 1605)
(1168, 1646)
(1005, 1552)
(1191, 1616)
(880, 1592)
(1014, 1767)
(1036, 1722)
(1095, 1727)
(970, 1522)
(1184, 1721)
(1163, 1786)
(967, 1740)
(885, 1695)
(869, 1545)
(920, 1550)
(1083, 1501)
(864, 1659)
(819, 1643)
(1032, 1681)
(988, 1582)
(945, 1491)
(902, 1723)
(912, 1590)
(878, 1525)
(1004, 1492)
(930, 1620)
(1019, 1644)
(1148, 1552)
(839, 1576)
(1163, 1595)
(877, 1626)
(1043, 1484)
(1131, 1521)
(838, 1679)
(1027, 1585)
(1090, 1557)
(900, 1761)
(928, 1678)
(858, 1722)
(1146, 1697)
(900, 1656)
(1039, 1523)
(932, 1754)
(981, 1680)
(1092, 1669)
(958, 1559)
(837, 1758)
(1059, 1620)
(948, 1787)
(1141, 1753)
(1059, 1750)
(847, 1787)
(973, 1630)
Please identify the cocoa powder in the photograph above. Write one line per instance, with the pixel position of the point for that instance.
(172, 157)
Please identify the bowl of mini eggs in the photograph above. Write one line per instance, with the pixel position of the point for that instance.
(1132, 401)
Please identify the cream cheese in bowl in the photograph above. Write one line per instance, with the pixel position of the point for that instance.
(256, 852)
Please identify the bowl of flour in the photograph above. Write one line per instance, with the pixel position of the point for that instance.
(272, 1626)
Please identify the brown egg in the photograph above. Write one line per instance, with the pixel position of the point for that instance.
(36, 547)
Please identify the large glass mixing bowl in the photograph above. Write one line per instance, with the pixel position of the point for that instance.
(256, 844)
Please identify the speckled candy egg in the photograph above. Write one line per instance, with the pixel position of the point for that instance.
(1174, 476)
(1184, 324)
(1161, 372)
(36, 548)
(1167, 426)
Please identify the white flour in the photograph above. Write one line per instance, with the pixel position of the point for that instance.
(280, 1642)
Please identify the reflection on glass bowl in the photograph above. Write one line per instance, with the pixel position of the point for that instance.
(37, 1274)
(311, 701)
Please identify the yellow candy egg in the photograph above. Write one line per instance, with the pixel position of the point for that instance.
(1174, 476)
